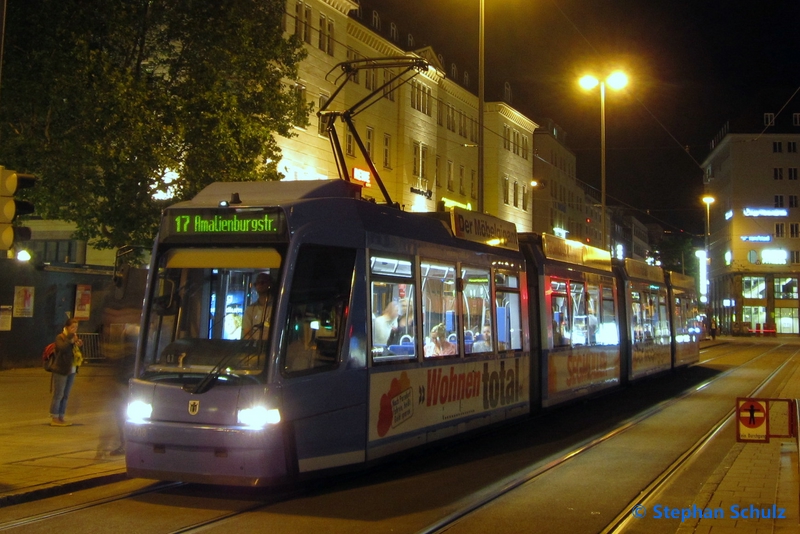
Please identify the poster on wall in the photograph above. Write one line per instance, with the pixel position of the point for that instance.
(5, 318)
(83, 302)
(23, 301)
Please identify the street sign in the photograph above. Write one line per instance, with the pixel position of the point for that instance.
(752, 420)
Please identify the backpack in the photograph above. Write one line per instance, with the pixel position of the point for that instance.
(49, 357)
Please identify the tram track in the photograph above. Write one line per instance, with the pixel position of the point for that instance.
(510, 484)
(288, 508)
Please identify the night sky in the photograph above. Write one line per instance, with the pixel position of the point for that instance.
(692, 65)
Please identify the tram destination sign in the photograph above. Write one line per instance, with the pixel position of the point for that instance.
(249, 224)
(485, 229)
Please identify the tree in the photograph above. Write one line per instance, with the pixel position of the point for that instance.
(108, 100)
(677, 253)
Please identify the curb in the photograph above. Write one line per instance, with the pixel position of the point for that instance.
(55, 491)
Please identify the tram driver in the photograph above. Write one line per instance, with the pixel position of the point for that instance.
(257, 314)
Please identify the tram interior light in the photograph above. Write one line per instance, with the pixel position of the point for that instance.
(139, 411)
(259, 416)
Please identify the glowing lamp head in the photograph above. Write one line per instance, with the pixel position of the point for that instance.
(617, 80)
(708, 200)
(589, 82)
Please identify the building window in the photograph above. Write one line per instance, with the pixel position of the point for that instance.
(506, 137)
(785, 288)
(376, 21)
(387, 151)
(370, 141)
(505, 189)
(451, 118)
(322, 126)
(461, 179)
(371, 77)
(778, 201)
(794, 230)
(791, 146)
(792, 172)
(352, 55)
(436, 175)
(525, 147)
(769, 119)
(793, 201)
(393, 31)
(410, 41)
(301, 108)
(754, 287)
(796, 119)
(794, 256)
(56, 251)
(777, 173)
(326, 34)
(516, 194)
(420, 97)
(780, 230)
(449, 175)
(350, 144)
(473, 191)
(777, 146)
(388, 88)
(420, 160)
(524, 197)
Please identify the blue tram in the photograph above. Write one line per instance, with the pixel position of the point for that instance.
(291, 328)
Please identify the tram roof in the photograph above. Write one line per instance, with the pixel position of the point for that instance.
(311, 199)
(270, 193)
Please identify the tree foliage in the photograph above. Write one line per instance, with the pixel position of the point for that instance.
(677, 253)
(105, 100)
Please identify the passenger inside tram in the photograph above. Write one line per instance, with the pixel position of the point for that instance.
(484, 344)
(383, 324)
(438, 344)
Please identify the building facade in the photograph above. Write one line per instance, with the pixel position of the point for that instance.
(421, 132)
(563, 205)
(754, 222)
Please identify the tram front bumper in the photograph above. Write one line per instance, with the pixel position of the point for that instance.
(207, 454)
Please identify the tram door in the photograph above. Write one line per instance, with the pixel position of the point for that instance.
(323, 372)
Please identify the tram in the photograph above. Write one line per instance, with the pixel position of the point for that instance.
(294, 328)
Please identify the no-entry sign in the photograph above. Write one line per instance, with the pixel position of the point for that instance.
(752, 419)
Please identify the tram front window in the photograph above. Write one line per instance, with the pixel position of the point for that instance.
(211, 309)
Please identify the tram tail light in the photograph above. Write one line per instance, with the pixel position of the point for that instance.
(259, 416)
(139, 411)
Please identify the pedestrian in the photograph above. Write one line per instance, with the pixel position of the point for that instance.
(713, 329)
(68, 358)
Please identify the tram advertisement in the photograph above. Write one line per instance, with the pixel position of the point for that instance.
(650, 358)
(570, 372)
(412, 399)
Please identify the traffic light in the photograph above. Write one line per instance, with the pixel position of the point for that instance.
(11, 208)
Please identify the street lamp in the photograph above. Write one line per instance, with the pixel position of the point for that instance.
(707, 200)
(480, 109)
(616, 80)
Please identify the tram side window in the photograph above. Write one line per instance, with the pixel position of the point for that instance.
(477, 317)
(559, 312)
(439, 320)
(662, 327)
(509, 311)
(608, 333)
(393, 335)
(580, 322)
(320, 292)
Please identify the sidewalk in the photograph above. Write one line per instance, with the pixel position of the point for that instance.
(38, 460)
(753, 474)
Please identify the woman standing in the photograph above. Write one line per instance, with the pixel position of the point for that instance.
(68, 359)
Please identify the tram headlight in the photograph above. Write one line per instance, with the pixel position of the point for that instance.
(139, 411)
(259, 416)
